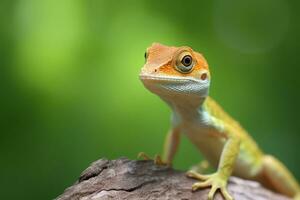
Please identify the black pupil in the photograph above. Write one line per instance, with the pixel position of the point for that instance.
(187, 60)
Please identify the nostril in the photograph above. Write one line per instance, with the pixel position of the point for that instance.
(203, 76)
(155, 70)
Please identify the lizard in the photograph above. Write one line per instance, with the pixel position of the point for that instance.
(180, 76)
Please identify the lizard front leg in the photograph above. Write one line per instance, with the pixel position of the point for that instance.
(219, 179)
(170, 147)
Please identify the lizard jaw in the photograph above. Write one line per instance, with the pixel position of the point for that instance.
(170, 85)
(167, 78)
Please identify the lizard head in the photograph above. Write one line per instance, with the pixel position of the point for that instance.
(175, 71)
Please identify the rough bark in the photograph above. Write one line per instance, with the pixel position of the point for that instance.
(131, 179)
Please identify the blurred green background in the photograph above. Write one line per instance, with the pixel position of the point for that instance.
(70, 92)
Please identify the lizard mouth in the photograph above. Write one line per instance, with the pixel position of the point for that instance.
(170, 85)
(169, 79)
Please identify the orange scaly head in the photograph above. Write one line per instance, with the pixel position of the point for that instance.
(171, 71)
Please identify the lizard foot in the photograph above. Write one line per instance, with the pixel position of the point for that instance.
(201, 167)
(214, 180)
(157, 159)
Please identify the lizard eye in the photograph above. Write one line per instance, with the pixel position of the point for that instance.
(146, 55)
(187, 60)
(185, 63)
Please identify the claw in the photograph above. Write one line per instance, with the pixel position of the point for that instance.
(212, 192)
(199, 185)
(144, 156)
(157, 159)
(225, 193)
(214, 180)
(193, 174)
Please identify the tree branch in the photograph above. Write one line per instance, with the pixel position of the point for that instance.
(131, 179)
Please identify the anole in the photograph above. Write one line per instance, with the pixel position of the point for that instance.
(181, 77)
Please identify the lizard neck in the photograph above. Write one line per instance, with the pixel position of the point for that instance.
(186, 107)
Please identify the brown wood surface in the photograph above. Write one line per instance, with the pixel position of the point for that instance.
(139, 179)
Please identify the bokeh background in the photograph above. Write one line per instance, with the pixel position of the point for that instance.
(70, 92)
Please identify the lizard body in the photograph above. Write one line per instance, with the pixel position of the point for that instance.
(181, 77)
